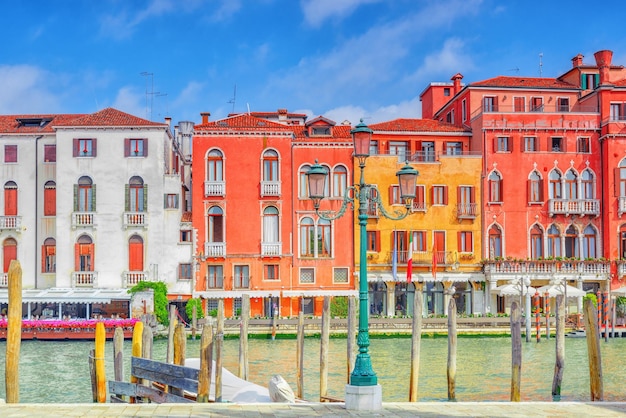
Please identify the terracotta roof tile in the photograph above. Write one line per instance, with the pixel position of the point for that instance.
(416, 125)
(340, 132)
(33, 124)
(530, 82)
(108, 117)
(243, 122)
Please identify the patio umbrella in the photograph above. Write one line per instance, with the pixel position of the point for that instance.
(554, 290)
(619, 292)
(512, 290)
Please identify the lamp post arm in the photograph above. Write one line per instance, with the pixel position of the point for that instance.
(330, 215)
(396, 215)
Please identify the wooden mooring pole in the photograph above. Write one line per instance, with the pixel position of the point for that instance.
(14, 333)
(219, 343)
(593, 352)
(243, 337)
(101, 388)
(559, 365)
(452, 350)
(118, 354)
(170, 335)
(516, 352)
(324, 342)
(206, 363)
(136, 350)
(300, 357)
(416, 341)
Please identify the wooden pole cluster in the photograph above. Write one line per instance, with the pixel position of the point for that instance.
(219, 343)
(606, 316)
(170, 335)
(101, 389)
(243, 337)
(452, 350)
(324, 342)
(300, 357)
(14, 333)
(560, 348)
(593, 352)
(546, 298)
(118, 354)
(206, 364)
(416, 340)
(136, 349)
(536, 301)
(516, 352)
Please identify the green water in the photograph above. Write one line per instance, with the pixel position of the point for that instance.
(59, 371)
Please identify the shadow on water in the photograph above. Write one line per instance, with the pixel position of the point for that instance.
(59, 372)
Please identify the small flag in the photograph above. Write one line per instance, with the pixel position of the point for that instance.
(434, 260)
(394, 259)
(409, 262)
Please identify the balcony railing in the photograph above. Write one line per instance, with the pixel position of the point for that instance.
(425, 258)
(4, 279)
(418, 206)
(579, 207)
(530, 108)
(11, 222)
(135, 219)
(466, 210)
(622, 206)
(131, 278)
(271, 249)
(84, 279)
(547, 266)
(215, 249)
(82, 219)
(621, 268)
(215, 188)
(270, 188)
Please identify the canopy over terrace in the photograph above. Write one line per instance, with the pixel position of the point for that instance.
(62, 296)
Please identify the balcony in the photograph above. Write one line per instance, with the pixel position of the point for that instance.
(545, 268)
(425, 258)
(135, 219)
(418, 206)
(4, 279)
(84, 279)
(215, 249)
(270, 188)
(621, 270)
(215, 188)
(621, 206)
(580, 207)
(466, 210)
(131, 278)
(13, 223)
(271, 249)
(82, 219)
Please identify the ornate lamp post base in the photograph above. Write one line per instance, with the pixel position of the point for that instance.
(364, 398)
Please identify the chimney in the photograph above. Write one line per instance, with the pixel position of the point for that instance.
(456, 79)
(282, 115)
(168, 121)
(577, 61)
(205, 117)
(603, 61)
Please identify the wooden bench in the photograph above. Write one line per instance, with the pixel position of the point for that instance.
(177, 378)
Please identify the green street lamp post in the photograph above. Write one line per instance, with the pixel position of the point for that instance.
(362, 374)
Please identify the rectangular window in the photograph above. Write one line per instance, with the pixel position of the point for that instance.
(503, 144)
(617, 111)
(440, 195)
(373, 147)
(556, 144)
(490, 104)
(464, 110)
(214, 277)
(242, 277)
(185, 235)
(394, 195)
(446, 91)
(270, 272)
(171, 201)
(341, 275)
(373, 241)
(530, 144)
(453, 148)
(84, 147)
(399, 148)
(419, 203)
(419, 240)
(10, 153)
(185, 271)
(466, 244)
(307, 275)
(583, 145)
(450, 117)
(135, 147)
(519, 104)
(536, 104)
(562, 104)
(50, 153)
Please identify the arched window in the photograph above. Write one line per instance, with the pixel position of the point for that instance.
(49, 198)
(571, 242)
(135, 253)
(495, 242)
(554, 242)
(48, 256)
(622, 242)
(589, 242)
(571, 185)
(326, 183)
(10, 198)
(270, 225)
(137, 196)
(495, 187)
(215, 224)
(535, 187)
(85, 195)
(84, 254)
(554, 190)
(9, 252)
(620, 178)
(270, 166)
(215, 166)
(304, 185)
(536, 242)
(340, 181)
(588, 185)
(324, 240)
(307, 237)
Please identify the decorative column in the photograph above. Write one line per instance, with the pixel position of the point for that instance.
(391, 298)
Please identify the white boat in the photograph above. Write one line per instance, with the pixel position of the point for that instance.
(579, 333)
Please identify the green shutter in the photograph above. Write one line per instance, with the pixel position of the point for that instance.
(76, 198)
(93, 198)
(127, 198)
(583, 81)
(597, 78)
(145, 197)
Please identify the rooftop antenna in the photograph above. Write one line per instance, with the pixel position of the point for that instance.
(166, 103)
(516, 69)
(540, 64)
(150, 94)
(234, 98)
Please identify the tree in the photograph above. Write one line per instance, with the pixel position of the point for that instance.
(160, 299)
(189, 308)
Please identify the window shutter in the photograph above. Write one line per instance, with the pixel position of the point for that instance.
(501, 189)
(420, 192)
(472, 194)
(377, 237)
(76, 198)
(458, 195)
(126, 147)
(459, 241)
(145, 197)
(616, 181)
(43, 258)
(445, 195)
(76, 257)
(495, 144)
(127, 198)
(75, 147)
(391, 202)
(583, 81)
(432, 195)
(165, 201)
(529, 190)
(92, 252)
(541, 190)
(94, 148)
(145, 147)
(597, 80)
(93, 197)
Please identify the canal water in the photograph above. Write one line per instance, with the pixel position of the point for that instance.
(58, 371)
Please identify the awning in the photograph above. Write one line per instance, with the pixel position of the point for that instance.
(234, 294)
(382, 276)
(71, 295)
(318, 292)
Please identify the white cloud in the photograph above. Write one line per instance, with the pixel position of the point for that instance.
(317, 11)
(451, 58)
(25, 90)
(406, 109)
(129, 100)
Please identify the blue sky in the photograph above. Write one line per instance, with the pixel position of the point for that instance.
(344, 59)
